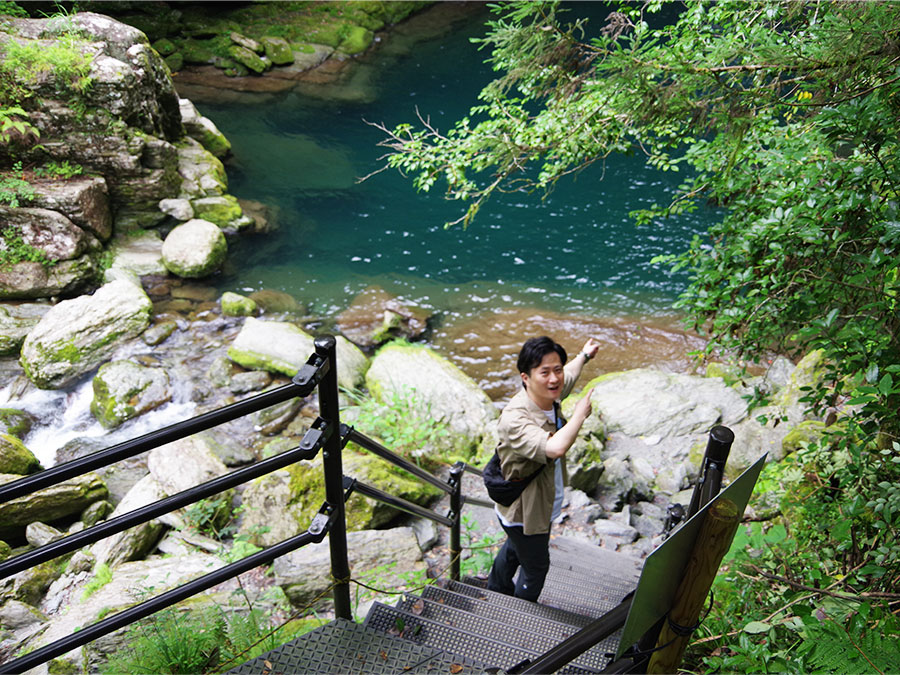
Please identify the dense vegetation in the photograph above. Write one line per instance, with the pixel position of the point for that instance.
(787, 116)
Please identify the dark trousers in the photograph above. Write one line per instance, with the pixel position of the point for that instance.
(531, 552)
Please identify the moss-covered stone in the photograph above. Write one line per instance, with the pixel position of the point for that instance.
(175, 61)
(196, 52)
(278, 51)
(124, 389)
(802, 435)
(729, 373)
(356, 40)
(247, 59)
(222, 210)
(15, 422)
(234, 304)
(5, 550)
(15, 457)
(165, 47)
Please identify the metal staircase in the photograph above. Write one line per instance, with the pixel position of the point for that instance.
(461, 627)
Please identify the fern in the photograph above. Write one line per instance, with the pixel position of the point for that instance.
(831, 647)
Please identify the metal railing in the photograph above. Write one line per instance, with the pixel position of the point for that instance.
(326, 434)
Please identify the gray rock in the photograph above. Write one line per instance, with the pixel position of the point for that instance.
(125, 389)
(84, 200)
(15, 422)
(15, 615)
(37, 534)
(281, 347)
(254, 380)
(647, 525)
(203, 130)
(436, 391)
(49, 504)
(136, 542)
(96, 512)
(276, 418)
(76, 336)
(158, 333)
(32, 280)
(202, 173)
(127, 587)
(614, 534)
(426, 533)
(376, 316)
(15, 322)
(119, 477)
(384, 557)
(49, 231)
(194, 249)
(184, 464)
(245, 42)
(179, 209)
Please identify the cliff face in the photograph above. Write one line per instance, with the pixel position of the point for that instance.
(104, 144)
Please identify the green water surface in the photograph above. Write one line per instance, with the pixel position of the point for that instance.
(574, 251)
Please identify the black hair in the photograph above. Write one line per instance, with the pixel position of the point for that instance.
(534, 350)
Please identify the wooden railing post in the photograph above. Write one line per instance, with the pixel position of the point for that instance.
(712, 544)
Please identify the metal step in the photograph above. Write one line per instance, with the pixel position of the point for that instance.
(583, 594)
(537, 609)
(491, 652)
(508, 615)
(508, 632)
(346, 647)
(572, 553)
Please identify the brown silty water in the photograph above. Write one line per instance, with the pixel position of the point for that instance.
(486, 346)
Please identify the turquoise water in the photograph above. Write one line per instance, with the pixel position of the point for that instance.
(576, 251)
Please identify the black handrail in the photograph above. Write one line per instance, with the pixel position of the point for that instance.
(144, 514)
(349, 434)
(353, 485)
(299, 387)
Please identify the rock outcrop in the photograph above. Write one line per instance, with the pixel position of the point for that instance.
(77, 335)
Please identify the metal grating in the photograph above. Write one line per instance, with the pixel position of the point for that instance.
(554, 613)
(423, 631)
(511, 633)
(576, 594)
(346, 647)
(526, 620)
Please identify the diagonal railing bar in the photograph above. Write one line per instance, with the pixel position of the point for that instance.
(317, 530)
(475, 501)
(349, 434)
(353, 485)
(308, 448)
(301, 386)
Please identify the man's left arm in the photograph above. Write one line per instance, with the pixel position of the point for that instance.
(576, 365)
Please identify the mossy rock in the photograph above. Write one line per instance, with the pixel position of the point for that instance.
(175, 61)
(165, 47)
(234, 304)
(357, 39)
(222, 210)
(15, 422)
(5, 550)
(802, 435)
(247, 59)
(278, 51)
(16, 458)
(196, 52)
(729, 373)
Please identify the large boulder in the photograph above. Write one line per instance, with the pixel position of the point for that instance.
(84, 200)
(194, 249)
(138, 252)
(76, 336)
(50, 504)
(128, 586)
(282, 347)
(125, 389)
(284, 503)
(29, 280)
(435, 391)
(390, 555)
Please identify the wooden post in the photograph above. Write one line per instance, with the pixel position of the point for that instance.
(712, 544)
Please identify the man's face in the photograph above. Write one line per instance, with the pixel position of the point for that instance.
(544, 382)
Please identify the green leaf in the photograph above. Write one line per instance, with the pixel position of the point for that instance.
(755, 627)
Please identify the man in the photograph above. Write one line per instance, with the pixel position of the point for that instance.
(530, 441)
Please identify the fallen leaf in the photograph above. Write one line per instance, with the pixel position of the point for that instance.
(455, 668)
(268, 664)
(383, 654)
(418, 606)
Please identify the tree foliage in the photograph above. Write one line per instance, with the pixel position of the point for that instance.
(787, 116)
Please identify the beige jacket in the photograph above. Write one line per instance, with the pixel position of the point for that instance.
(524, 430)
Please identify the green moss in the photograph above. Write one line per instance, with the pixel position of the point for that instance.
(234, 304)
(356, 39)
(5, 550)
(15, 458)
(102, 576)
(15, 422)
(221, 210)
(62, 667)
(802, 435)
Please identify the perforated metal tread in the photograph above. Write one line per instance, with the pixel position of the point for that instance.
(575, 554)
(509, 632)
(583, 595)
(347, 647)
(555, 613)
(527, 620)
(434, 634)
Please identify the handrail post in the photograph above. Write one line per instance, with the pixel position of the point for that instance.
(456, 472)
(329, 409)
